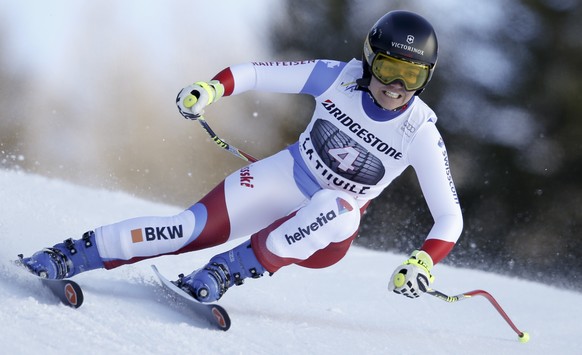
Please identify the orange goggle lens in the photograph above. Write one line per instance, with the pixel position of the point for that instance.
(388, 69)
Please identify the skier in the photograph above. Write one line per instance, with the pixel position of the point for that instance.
(302, 205)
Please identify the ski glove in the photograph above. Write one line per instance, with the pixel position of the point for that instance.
(192, 99)
(413, 277)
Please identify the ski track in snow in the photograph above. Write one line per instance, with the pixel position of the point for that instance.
(343, 309)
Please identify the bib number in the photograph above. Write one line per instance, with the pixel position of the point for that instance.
(346, 157)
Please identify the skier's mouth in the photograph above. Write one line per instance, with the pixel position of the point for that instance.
(391, 94)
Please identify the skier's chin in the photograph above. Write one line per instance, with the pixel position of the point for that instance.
(389, 102)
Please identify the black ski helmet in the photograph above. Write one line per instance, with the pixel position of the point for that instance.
(403, 35)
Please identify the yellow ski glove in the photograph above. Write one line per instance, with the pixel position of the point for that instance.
(413, 277)
(192, 99)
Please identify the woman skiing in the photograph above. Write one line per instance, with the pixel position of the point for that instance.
(302, 205)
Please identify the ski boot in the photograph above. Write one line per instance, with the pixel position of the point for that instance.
(222, 271)
(65, 259)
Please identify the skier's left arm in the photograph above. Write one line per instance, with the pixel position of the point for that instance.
(428, 156)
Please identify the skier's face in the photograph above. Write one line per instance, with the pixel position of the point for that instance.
(390, 96)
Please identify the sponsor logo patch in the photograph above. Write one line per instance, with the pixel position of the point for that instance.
(149, 234)
(246, 178)
(343, 206)
(304, 232)
(319, 222)
(71, 294)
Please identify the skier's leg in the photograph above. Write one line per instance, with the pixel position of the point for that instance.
(333, 253)
(329, 220)
(246, 201)
(135, 239)
(203, 225)
(238, 206)
(317, 236)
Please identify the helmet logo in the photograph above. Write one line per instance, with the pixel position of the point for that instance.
(410, 39)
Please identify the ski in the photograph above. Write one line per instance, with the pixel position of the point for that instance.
(67, 291)
(213, 313)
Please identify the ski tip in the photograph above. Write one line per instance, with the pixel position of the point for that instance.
(73, 294)
(69, 292)
(222, 318)
(156, 271)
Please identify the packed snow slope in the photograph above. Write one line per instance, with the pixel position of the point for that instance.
(344, 309)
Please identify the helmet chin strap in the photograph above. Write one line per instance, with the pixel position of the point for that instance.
(363, 83)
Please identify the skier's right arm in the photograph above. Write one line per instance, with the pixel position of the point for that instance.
(309, 77)
(192, 99)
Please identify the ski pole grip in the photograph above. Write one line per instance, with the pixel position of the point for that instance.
(190, 101)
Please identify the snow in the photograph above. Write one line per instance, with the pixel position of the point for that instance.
(339, 310)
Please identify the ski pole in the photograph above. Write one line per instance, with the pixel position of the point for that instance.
(523, 336)
(223, 144)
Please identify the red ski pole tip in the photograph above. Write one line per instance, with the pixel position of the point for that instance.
(524, 337)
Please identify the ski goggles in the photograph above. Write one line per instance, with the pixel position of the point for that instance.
(388, 69)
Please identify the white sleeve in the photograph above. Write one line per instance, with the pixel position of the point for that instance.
(428, 156)
(280, 77)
